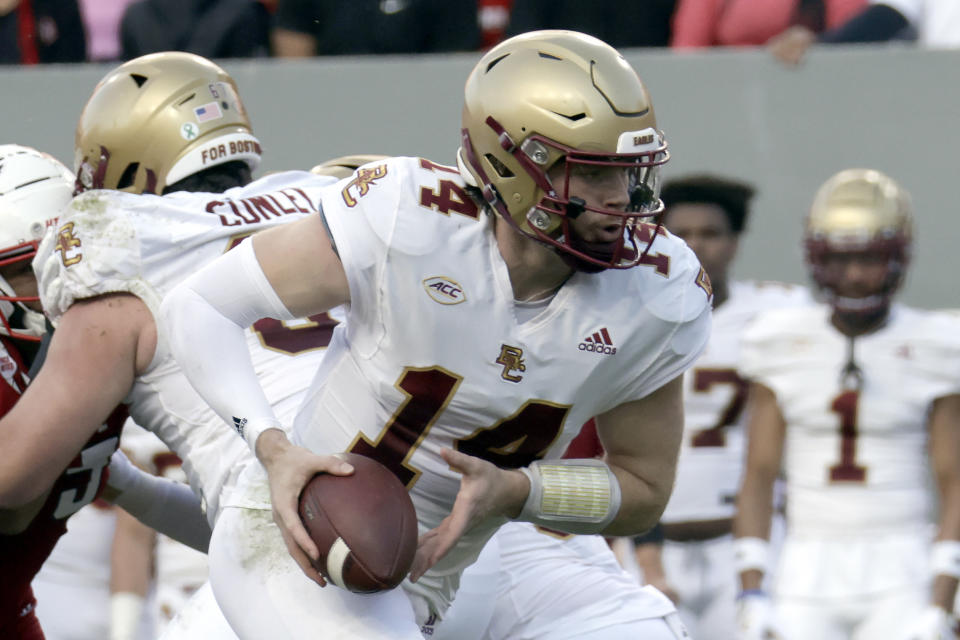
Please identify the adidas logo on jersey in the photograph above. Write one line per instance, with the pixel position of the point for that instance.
(599, 342)
(239, 424)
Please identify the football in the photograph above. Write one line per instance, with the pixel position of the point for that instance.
(363, 524)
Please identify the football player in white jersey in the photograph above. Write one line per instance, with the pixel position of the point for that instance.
(165, 123)
(694, 562)
(533, 582)
(857, 401)
(34, 187)
(493, 308)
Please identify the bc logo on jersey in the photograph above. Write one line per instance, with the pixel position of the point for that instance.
(68, 245)
(512, 360)
(362, 181)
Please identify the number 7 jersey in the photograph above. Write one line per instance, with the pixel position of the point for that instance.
(714, 396)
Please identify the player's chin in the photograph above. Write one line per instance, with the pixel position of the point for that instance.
(604, 253)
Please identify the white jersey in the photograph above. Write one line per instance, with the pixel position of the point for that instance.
(855, 459)
(714, 396)
(432, 354)
(564, 587)
(109, 241)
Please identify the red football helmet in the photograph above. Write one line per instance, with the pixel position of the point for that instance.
(34, 187)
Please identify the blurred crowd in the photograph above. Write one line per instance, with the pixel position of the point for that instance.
(64, 31)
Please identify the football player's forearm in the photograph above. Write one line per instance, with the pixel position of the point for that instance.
(944, 592)
(169, 507)
(751, 530)
(204, 319)
(643, 502)
(754, 510)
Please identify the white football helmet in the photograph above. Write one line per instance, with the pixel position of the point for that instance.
(34, 187)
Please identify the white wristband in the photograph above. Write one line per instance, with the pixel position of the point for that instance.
(576, 495)
(250, 429)
(751, 554)
(125, 610)
(945, 558)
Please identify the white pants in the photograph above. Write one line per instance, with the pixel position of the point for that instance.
(703, 575)
(869, 587)
(560, 588)
(473, 607)
(882, 617)
(199, 619)
(264, 594)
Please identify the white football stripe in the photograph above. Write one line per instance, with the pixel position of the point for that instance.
(335, 558)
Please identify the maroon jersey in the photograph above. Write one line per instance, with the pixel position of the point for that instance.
(22, 554)
(586, 444)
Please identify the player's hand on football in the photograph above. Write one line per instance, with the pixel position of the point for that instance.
(289, 468)
(486, 491)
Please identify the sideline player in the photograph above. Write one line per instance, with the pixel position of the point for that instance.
(710, 214)
(857, 400)
(459, 364)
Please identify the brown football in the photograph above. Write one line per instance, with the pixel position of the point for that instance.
(363, 524)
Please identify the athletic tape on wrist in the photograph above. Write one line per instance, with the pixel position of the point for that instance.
(577, 496)
(750, 554)
(945, 558)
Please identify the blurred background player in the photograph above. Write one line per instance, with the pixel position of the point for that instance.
(710, 213)
(34, 187)
(857, 400)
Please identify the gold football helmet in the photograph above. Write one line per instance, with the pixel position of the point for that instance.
(157, 119)
(344, 166)
(859, 211)
(549, 96)
(34, 187)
